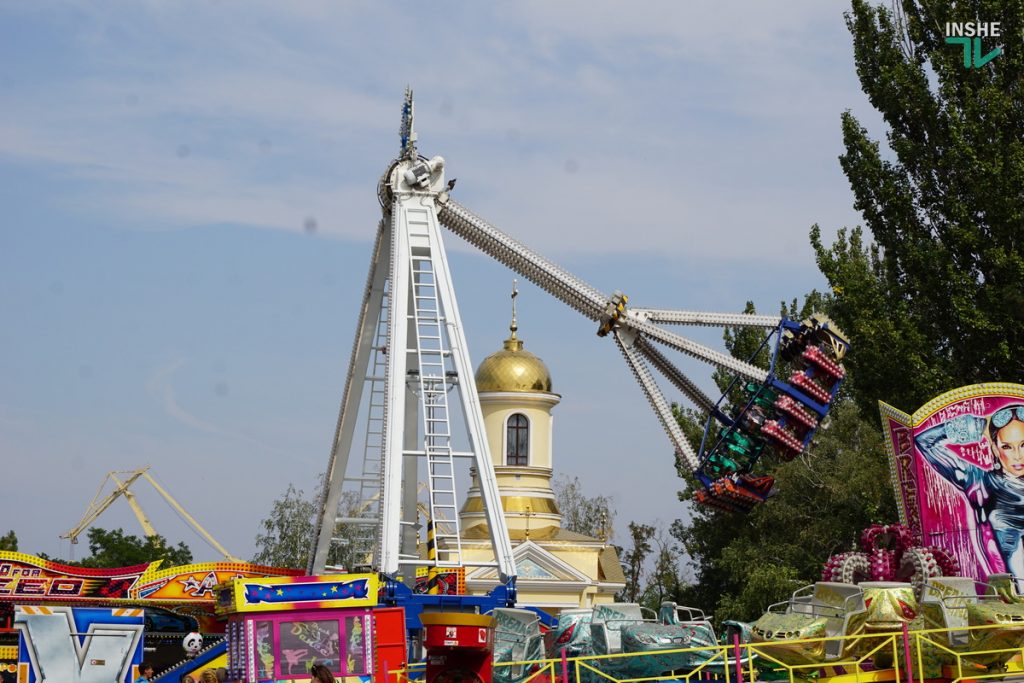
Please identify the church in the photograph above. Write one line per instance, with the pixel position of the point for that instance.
(557, 568)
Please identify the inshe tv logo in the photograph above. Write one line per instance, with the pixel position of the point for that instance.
(969, 35)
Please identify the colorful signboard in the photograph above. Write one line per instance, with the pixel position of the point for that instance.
(958, 469)
(299, 592)
(29, 579)
(197, 581)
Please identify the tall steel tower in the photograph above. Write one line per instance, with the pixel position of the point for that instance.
(409, 361)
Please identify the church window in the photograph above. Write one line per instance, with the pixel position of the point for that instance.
(517, 440)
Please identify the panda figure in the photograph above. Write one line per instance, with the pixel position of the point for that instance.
(192, 643)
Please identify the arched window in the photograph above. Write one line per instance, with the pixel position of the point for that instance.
(517, 440)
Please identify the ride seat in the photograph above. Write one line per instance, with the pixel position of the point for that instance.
(667, 614)
(1005, 586)
(607, 623)
(517, 637)
(954, 612)
(837, 603)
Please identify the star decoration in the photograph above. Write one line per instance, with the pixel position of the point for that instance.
(191, 584)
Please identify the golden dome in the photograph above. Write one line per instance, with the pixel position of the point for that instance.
(513, 369)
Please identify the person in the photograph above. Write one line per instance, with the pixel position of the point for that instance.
(208, 676)
(222, 674)
(188, 679)
(145, 673)
(320, 674)
(996, 495)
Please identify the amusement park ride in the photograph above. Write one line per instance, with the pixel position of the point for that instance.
(410, 355)
(875, 615)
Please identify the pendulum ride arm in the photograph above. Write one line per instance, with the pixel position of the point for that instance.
(672, 373)
(784, 412)
(573, 291)
(579, 295)
(625, 340)
(788, 426)
(658, 315)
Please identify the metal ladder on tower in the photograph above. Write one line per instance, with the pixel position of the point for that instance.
(364, 520)
(365, 544)
(434, 357)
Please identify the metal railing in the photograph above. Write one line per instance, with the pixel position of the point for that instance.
(910, 657)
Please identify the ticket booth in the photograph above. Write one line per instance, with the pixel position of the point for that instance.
(278, 628)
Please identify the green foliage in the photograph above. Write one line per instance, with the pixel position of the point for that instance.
(589, 515)
(286, 539)
(9, 541)
(764, 584)
(665, 582)
(937, 299)
(634, 559)
(115, 548)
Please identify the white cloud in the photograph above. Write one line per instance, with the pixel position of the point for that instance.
(277, 130)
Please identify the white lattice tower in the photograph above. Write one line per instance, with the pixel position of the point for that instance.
(406, 409)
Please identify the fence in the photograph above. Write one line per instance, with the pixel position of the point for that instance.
(897, 656)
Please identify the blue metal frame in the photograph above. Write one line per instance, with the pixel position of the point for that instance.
(772, 382)
(397, 594)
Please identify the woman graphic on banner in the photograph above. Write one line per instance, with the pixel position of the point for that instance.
(995, 495)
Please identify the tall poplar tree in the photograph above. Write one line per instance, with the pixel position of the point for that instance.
(930, 291)
(933, 296)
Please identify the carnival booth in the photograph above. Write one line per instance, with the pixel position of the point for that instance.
(172, 604)
(278, 628)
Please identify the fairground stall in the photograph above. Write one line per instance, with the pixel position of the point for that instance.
(278, 628)
(49, 612)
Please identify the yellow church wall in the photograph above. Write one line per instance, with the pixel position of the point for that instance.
(497, 408)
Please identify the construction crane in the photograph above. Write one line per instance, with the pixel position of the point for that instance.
(122, 481)
(410, 351)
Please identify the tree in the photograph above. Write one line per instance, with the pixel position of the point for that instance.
(286, 539)
(665, 582)
(9, 541)
(634, 560)
(117, 549)
(591, 516)
(937, 299)
(287, 536)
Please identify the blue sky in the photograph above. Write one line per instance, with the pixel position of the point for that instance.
(189, 202)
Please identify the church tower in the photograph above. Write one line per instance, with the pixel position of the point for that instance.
(557, 568)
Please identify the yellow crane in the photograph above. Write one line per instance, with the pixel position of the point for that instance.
(122, 480)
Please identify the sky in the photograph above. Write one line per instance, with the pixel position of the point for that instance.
(189, 207)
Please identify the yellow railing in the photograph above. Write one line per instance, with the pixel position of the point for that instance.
(959, 666)
(719, 662)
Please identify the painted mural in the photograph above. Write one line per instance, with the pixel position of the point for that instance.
(958, 469)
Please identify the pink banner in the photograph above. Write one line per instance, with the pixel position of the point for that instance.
(958, 470)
